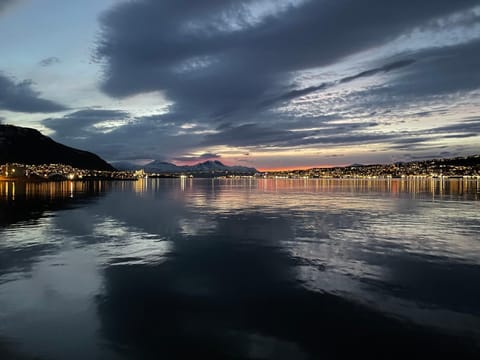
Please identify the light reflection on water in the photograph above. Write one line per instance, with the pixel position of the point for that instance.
(238, 268)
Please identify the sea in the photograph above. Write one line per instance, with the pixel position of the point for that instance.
(240, 269)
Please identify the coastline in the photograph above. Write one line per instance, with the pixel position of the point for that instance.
(42, 180)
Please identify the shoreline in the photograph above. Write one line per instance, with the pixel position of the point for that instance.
(379, 178)
(40, 180)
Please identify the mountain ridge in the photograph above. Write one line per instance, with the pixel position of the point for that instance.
(28, 146)
(209, 166)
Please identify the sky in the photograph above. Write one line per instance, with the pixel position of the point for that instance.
(272, 84)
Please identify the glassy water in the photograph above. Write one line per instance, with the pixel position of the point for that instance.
(243, 269)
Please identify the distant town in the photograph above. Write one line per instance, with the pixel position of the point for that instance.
(463, 167)
(58, 172)
(468, 166)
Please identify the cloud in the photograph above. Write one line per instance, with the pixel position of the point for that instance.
(438, 81)
(327, 85)
(213, 68)
(286, 74)
(275, 136)
(86, 122)
(340, 134)
(117, 135)
(428, 138)
(197, 158)
(466, 126)
(49, 61)
(438, 71)
(21, 97)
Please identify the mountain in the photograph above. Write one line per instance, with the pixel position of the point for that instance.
(162, 167)
(207, 167)
(29, 146)
(126, 166)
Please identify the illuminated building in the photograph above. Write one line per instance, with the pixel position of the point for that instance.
(13, 171)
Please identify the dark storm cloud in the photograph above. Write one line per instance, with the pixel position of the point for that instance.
(326, 85)
(250, 134)
(21, 97)
(49, 61)
(81, 123)
(411, 140)
(386, 68)
(466, 126)
(257, 135)
(337, 134)
(211, 70)
(129, 138)
(460, 136)
(422, 139)
(227, 69)
(438, 71)
(439, 78)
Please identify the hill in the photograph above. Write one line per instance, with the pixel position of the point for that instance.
(204, 169)
(29, 146)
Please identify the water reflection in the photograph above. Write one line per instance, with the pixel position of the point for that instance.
(242, 269)
(49, 190)
(23, 201)
(26, 213)
(468, 188)
(207, 302)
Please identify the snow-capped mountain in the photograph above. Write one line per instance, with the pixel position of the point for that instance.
(204, 167)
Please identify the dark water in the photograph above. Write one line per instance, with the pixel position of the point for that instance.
(257, 269)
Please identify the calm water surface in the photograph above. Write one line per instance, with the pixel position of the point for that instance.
(243, 269)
